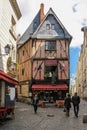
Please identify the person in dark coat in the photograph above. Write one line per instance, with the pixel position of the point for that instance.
(67, 104)
(76, 102)
(35, 102)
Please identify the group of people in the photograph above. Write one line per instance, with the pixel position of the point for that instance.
(75, 100)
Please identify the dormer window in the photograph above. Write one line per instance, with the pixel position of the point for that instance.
(52, 26)
(35, 25)
(47, 26)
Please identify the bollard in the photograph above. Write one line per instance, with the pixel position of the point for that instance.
(85, 118)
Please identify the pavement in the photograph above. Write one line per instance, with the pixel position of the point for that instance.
(49, 118)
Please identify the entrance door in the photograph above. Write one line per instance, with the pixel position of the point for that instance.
(50, 96)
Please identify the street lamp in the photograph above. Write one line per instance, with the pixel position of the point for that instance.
(7, 50)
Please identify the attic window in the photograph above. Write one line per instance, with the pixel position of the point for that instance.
(52, 26)
(47, 26)
(35, 25)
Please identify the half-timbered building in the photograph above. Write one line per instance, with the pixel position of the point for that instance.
(43, 57)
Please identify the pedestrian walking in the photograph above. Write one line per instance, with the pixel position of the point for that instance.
(76, 102)
(35, 102)
(67, 104)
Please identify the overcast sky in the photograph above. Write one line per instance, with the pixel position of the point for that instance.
(72, 14)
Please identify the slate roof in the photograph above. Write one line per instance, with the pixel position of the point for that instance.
(30, 29)
(59, 33)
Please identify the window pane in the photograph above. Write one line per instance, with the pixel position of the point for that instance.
(50, 45)
(47, 45)
(35, 26)
(47, 26)
(52, 26)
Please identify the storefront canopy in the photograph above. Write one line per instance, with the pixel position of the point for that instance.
(8, 78)
(49, 87)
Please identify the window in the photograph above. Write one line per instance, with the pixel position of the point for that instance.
(52, 26)
(51, 73)
(35, 26)
(51, 69)
(13, 20)
(47, 26)
(13, 28)
(23, 52)
(22, 71)
(50, 45)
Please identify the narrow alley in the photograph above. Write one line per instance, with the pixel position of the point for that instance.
(49, 118)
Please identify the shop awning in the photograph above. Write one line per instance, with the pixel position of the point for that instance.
(8, 78)
(49, 87)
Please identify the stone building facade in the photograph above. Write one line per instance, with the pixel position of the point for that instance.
(84, 60)
(81, 75)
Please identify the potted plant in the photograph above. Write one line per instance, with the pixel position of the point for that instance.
(53, 80)
(9, 62)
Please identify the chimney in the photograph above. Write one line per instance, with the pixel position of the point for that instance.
(41, 12)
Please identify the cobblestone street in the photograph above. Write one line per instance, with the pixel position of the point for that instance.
(49, 118)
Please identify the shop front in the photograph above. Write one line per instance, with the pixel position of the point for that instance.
(7, 94)
(50, 93)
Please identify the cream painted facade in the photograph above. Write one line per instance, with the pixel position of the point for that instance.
(9, 15)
